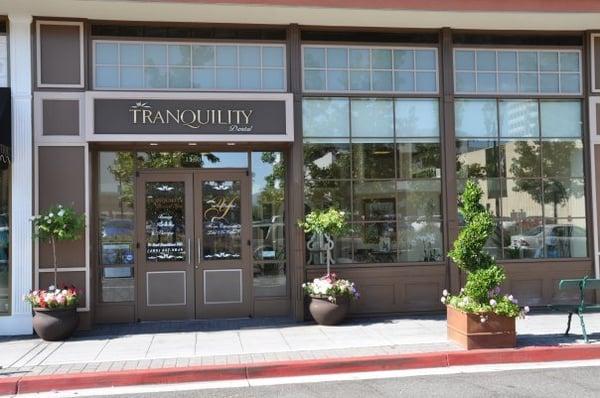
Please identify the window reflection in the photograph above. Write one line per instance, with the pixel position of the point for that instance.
(326, 160)
(165, 221)
(221, 220)
(268, 224)
(116, 225)
(383, 169)
(373, 160)
(541, 190)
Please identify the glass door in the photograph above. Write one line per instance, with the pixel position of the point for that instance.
(223, 268)
(166, 232)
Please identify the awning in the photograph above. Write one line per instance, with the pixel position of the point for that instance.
(5, 127)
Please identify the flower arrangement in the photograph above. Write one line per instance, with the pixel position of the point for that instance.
(332, 288)
(331, 222)
(58, 224)
(54, 298)
(481, 293)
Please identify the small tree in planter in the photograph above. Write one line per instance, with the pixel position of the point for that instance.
(330, 296)
(55, 308)
(479, 316)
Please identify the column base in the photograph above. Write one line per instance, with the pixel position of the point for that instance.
(16, 325)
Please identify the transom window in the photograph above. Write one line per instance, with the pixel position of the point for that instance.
(510, 71)
(370, 69)
(184, 66)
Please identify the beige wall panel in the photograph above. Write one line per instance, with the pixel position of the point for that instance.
(394, 289)
(536, 284)
(60, 54)
(75, 278)
(62, 181)
(60, 117)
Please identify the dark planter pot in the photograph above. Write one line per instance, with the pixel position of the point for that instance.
(327, 313)
(468, 330)
(55, 324)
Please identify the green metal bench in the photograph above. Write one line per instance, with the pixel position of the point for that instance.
(586, 283)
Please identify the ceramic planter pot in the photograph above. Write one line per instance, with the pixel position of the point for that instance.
(55, 324)
(327, 313)
(468, 331)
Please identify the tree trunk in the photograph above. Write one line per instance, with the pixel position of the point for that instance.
(53, 241)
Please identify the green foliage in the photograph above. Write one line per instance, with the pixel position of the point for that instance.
(481, 293)
(331, 222)
(483, 281)
(468, 253)
(59, 223)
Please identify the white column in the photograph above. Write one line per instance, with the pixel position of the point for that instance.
(21, 245)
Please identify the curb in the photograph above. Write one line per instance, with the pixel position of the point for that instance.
(34, 384)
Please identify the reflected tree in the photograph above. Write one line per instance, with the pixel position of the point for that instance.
(557, 157)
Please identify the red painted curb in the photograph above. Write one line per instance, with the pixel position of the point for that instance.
(526, 354)
(347, 365)
(32, 384)
(8, 386)
(127, 378)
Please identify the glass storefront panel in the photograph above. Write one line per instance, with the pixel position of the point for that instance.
(373, 159)
(323, 194)
(116, 225)
(384, 171)
(268, 224)
(326, 160)
(540, 157)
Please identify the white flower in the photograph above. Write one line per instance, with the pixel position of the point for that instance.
(482, 320)
(493, 302)
(51, 215)
(52, 287)
(462, 289)
(443, 300)
(510, 297)
(445, 293)
(526, 309)
(61, 213)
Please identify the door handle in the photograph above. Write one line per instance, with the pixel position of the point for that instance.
(199, 249)
(189, 253)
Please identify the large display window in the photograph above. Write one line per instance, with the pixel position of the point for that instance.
(380, 161)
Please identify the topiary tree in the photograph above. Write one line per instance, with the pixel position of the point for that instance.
(481, 293)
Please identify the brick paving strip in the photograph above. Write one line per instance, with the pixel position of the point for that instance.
(62, 377)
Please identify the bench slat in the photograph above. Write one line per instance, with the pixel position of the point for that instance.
(590, 283)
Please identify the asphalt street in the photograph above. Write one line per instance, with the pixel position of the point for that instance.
(562, 382)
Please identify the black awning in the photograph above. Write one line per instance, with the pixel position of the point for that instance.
(5, 126)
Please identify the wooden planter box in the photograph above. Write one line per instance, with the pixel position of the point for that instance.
(468, 330)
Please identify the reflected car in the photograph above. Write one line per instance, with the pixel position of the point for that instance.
(560, 240)
(117, 227)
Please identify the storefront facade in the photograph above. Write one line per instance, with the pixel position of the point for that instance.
(193, 146)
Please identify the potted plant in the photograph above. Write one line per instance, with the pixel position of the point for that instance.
(329, 295)
(479, 316)
(55, 309)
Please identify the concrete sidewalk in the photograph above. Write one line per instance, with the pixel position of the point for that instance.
(233, 342)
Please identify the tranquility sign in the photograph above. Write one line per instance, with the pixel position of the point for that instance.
(183, 116)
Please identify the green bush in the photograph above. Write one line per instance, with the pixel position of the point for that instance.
(481, 293)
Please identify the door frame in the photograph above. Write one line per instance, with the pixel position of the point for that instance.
(193, 265)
